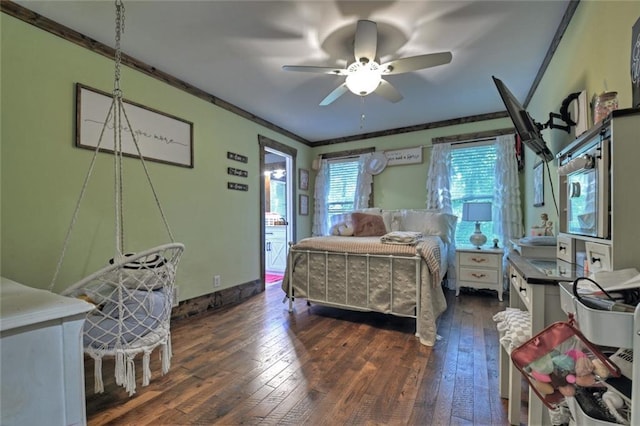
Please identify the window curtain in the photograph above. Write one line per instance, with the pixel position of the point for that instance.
(362, 194)
(439, 197)
(363, 187)
(507, 212)
(320, 200)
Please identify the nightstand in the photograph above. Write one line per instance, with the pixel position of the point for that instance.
(479, 269)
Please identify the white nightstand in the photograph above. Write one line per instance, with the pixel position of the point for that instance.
(479, 269)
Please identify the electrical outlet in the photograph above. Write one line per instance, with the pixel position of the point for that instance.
(175, 301)
(216, 280)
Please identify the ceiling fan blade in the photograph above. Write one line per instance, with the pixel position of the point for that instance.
(387, 91)
(414, 63)
(335, 94)
(319, 70)
(365, 43)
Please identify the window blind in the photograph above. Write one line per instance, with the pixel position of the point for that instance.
(472, 180)
(343, 179)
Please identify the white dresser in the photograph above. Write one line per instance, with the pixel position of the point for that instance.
(41, 360)
(479, 269)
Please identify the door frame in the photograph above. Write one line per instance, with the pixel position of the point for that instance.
(265, 142)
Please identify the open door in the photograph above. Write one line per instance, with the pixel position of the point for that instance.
(278, 211)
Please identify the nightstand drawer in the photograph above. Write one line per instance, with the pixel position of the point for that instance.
(486, 260)
(478, 275)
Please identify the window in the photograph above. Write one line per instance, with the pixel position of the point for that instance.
(343, 181)
(472, 180)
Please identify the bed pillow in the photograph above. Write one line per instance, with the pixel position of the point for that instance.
(368, 225)
(429, 222)
(392, 219)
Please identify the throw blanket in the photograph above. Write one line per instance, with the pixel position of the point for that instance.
(428, 248)
(401, 237)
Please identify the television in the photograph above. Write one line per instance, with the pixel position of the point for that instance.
(526, 127)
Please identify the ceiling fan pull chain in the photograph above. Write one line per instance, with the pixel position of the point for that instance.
(362, 116)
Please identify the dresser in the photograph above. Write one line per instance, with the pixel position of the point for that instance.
(479, 268)
(42, 365)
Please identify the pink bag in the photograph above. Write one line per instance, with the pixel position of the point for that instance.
(559, 359)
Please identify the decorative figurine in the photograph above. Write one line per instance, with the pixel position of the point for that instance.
(495, 243)
(545, 229)
(547, 225)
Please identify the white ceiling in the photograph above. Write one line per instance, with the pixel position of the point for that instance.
(235, 51)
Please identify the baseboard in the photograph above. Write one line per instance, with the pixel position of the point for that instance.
(217, 300)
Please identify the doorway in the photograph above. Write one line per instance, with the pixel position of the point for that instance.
(277, 217)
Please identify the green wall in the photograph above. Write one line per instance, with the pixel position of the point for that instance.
(404, 186)
(595, 48)
(42, 174)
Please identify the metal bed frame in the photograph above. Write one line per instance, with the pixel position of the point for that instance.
(327, 254)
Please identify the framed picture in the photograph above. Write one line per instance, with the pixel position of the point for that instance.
(538, 185)
(161, 137)
(304, 205)
(303, 179)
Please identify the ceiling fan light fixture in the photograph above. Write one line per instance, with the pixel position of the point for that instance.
(363, 78)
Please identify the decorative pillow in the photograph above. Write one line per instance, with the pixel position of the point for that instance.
(368, 225)
(429, 222)
(344, 229)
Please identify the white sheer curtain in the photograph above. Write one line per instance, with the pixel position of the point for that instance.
(438, 178)
(320, 200)
(321, 191)
(439, 197)
(363, 186)
(507, 213)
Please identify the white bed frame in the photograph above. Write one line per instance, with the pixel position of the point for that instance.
(415, 258)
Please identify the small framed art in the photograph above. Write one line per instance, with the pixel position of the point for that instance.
(538, 185)
(303, 207)
(303, 179)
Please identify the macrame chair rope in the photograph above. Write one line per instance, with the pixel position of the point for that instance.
(134, 293)
(133, 299)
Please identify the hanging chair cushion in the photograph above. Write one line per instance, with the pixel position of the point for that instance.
(139, 312)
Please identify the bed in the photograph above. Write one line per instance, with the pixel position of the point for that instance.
(379, 273)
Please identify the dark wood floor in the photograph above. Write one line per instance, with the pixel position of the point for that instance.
(257, 364)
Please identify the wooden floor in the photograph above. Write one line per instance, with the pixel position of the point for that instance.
(257, 364)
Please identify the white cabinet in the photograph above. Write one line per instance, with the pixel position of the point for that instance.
(479, 269)
(42, 366)
(619, 249)
(275, 247)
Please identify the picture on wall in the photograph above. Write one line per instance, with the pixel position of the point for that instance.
(538, 185)
(303, 179)
(161, 137)
(304, 205)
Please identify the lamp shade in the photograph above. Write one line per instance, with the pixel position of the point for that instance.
(476, 212)
(363, 78)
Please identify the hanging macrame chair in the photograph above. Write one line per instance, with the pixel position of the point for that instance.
(134, 292)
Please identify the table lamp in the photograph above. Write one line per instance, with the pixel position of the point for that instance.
(478, 212)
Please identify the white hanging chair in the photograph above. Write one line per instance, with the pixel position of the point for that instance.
(134, 293)
(133, 298)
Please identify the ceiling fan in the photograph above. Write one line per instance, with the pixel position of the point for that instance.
(364, 76)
